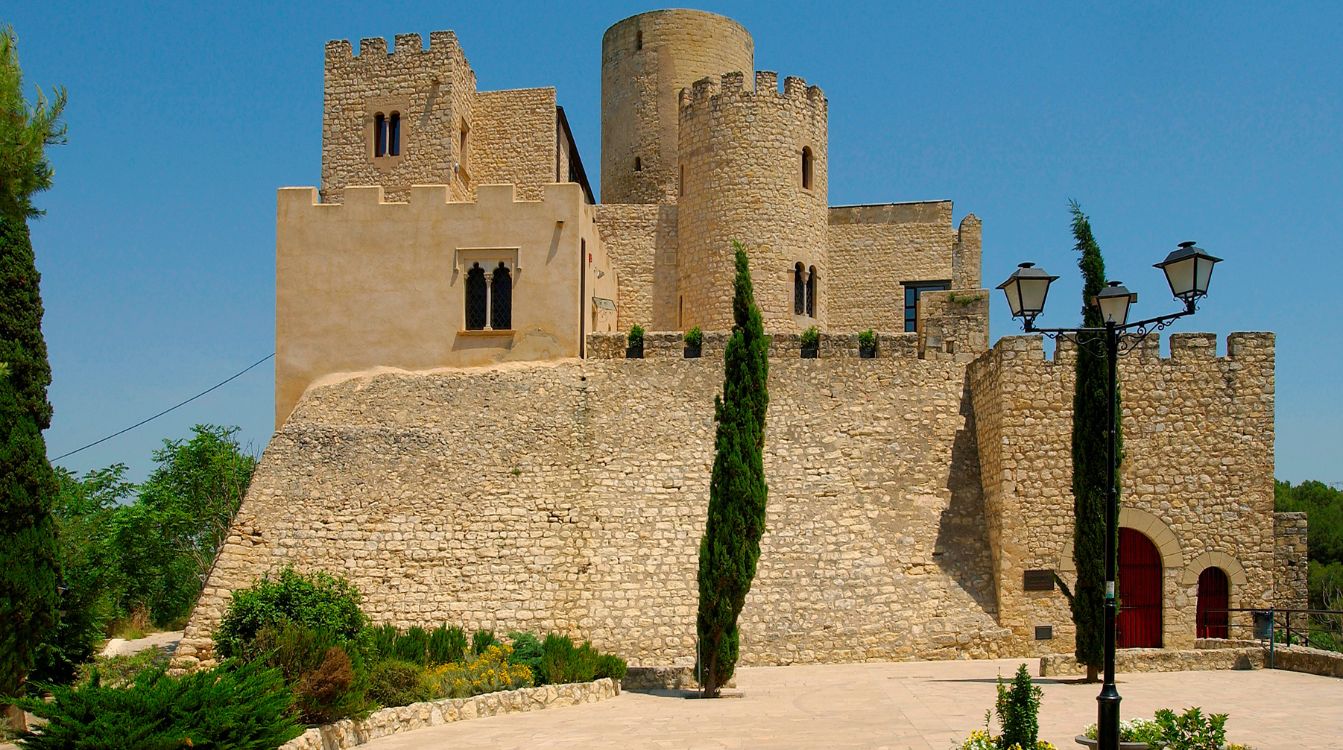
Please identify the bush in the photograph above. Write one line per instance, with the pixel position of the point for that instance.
(412, 645)
(482, 640)
(867, 341)
(610, 665)
(238, 705)
(635, 339)
(811, 338)
(396, 682)
(329, 679)
(447, 645)
(526, 651)
(1019, 709)
(694, 338)
(381, 641)
(561, 662)
(487, 673)
(1191, 730)
(319, 601)
(120, 671)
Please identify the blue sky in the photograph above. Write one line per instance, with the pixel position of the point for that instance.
(1217, 122)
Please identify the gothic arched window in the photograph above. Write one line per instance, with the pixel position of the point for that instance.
(501, 299)
(799, 290)
(379, 134)
(394, 134)
(476, 291)
(806, 167)
(811, 292)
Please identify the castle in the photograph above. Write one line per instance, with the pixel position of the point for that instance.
(459, 430)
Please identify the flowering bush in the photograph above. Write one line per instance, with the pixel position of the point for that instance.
(980, 739)
(490, 672)
(1134, 730)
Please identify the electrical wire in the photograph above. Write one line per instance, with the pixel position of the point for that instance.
(234, 376)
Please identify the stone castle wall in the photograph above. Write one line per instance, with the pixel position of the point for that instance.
(513, 141)
(1289, 561)
(646, 60)
(641, 242)
(1197, 476)
(741, 151)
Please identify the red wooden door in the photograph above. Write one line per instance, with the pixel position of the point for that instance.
(1214, 597)
(1139, 623)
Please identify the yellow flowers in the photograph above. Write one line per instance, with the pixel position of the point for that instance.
(487, 673)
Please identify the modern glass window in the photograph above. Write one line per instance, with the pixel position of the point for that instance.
(912, 291)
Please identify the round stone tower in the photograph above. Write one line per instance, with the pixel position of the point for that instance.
(753, 169)
(646, 60)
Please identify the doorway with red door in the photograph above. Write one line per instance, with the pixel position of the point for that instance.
(1139, 621)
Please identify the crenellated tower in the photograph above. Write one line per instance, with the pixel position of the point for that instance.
(646, 60)
(753, 169)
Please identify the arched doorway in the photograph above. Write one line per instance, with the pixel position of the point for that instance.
(1214, 597)
(1139, 623)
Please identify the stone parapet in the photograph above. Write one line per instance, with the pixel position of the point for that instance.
(671, 345)
(1161, 660)
(389, 721)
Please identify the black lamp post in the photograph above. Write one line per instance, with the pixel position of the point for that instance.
(1188, 270)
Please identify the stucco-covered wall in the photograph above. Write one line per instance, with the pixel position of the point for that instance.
(372, 283)
(1197, 476)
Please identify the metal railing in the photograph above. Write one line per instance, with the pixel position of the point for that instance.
(1315, 628)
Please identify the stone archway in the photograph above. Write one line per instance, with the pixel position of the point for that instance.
(1172, 558)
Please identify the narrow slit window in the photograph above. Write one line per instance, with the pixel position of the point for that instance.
(394, 134)
(379, 134)
(806, 167)
(812, 282)
(799, 290)
(476, 292)
(638, 40)
(501, 299)
(638, 164)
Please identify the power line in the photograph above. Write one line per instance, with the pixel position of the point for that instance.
(234, 376)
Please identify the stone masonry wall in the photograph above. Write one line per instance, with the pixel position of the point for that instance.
(513, 140)
(741, 150)
(646, 60)
(1197, 476)
(571, 496)
(641, 242)
(431, 89)
(1289, 561)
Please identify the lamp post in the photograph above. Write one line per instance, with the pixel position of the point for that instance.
(1188, 270)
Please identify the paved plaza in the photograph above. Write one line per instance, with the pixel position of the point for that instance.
(899, 705)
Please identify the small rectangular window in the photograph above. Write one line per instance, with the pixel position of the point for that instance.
(912, 291)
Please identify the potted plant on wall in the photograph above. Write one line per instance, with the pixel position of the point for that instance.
(694, 343)
(634, 343)
(867, 344)
(811, 342)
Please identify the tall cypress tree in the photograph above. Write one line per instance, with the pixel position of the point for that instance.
(28, 561)
(730, 548)
(1092, 473)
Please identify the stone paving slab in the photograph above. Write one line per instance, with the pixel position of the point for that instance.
(925, 705)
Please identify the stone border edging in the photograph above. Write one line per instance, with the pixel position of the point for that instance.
(1162, 660)
(388, 721)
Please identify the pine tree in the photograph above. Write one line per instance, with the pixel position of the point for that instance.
(730, 547)
(28, 555)
(1090, 452)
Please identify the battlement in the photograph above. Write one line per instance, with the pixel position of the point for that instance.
(663, 345)
(732, 87)
(1245, 347)
(404, 45)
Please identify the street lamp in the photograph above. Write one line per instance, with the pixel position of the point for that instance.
(1188, 270)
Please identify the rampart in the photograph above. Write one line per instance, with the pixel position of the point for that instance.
(1197, 476)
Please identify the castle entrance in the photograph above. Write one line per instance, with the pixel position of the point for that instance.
(1139, 622)
(1214, 598)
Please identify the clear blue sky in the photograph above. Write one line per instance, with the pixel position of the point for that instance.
(1217, 122)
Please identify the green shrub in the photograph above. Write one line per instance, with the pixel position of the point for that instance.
(238, 705)
(329, 679)
(1191, 730)
(396, 682)
(1019, 709)
(526, 651)
(811, 338)
(561, 662)
(482, 640)
(381, 641)
(412, 645)
(610, 665)
(635, 339)
(319, 601)
(447, 645)
(694, 338)
(120, 671)
(867, 340)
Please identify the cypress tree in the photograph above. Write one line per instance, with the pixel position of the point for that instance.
(28, 555)
(730, 548)
(1092, 474)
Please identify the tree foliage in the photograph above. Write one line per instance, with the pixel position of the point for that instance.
(25, 132)
(1092, 474)
(730, 547)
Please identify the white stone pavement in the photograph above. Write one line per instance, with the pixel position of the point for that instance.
(900, 705)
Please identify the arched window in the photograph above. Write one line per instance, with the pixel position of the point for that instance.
(812, 281)
(799, 290)
(806, 167)
(476, 293)
(394, 134)
(501, 299)
(1214, 599)
(379, 135)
